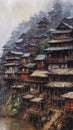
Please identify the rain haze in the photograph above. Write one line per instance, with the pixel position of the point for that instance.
(12, 12)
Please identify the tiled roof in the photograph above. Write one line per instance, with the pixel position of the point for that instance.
(18, 86)
(30, 65)
(26, 54)
(58, 48)
(61, 40)
(61, 71)
(60, 31)
(19, 40)
(28, 96)
(40, 57)
(58, 84)
(37, 99)
(68, 95)
(40, 73)
(16, 53)
(69, 21)
(11, 64)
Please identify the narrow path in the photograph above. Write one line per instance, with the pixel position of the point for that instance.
(48, 125)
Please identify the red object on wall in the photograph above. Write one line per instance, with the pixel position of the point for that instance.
(24, 76)
(69, 104)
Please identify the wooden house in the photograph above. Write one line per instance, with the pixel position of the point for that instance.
(37, 111)
(12, 63)
(26, 99)
(43, 24)
(55, 89)
(25, 70)
(40, 61)
(59, 50)
(68, 109)
(38, 78)
(68, 102)
(20, 88)
(25, 58)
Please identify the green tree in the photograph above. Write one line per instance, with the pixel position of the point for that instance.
(42, 45)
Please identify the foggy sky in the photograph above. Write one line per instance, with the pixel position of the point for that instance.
(12, 12)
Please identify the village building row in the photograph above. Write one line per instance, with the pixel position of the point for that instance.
(46, 76)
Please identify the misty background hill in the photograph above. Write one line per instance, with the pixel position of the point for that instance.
(58, 12)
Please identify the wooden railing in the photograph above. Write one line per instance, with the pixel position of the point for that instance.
(7, 58)
(59, 60)
(10, 71)
(62, 37)
(10, 76)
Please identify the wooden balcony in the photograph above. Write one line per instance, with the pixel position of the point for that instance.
(62, 37)
(31, 81)
(10, 72)
(59, 60)
(12, 58)
(10, 77)
(9, 58)
(56, 60)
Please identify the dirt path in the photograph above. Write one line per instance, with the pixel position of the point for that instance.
(48, 125)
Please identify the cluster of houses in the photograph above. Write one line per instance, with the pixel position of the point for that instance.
(43, 80)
